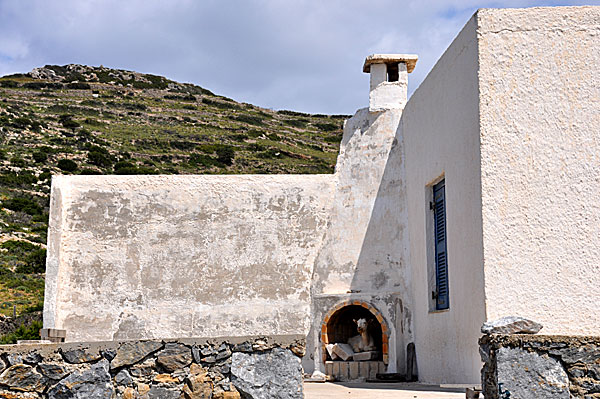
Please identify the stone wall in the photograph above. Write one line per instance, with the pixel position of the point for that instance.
(219, 368)
(540, 366)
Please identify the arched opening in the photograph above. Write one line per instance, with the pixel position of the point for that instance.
(338, 326)
(341, 326)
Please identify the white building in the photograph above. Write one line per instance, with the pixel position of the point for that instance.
(477, 198)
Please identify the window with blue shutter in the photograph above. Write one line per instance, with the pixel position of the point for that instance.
(441, 256)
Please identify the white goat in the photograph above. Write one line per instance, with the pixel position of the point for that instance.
(364, 341)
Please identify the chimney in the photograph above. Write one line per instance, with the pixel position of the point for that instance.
(389, 80)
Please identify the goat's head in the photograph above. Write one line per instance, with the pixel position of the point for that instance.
(362, 325)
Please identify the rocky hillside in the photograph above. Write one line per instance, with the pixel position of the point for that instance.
(78, 119)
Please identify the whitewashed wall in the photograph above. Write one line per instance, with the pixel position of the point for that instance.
(540, 156)
(364, 253)
(441, 138)
(183, 256)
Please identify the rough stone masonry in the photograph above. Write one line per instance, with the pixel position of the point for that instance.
(219, 368)
(540, 366)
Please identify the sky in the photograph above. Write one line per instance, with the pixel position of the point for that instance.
(302, 55)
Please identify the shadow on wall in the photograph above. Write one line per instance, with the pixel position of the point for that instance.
(382, 264)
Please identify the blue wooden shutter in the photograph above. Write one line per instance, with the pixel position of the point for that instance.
(441, 258)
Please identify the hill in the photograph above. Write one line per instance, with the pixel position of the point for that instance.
(77, 119)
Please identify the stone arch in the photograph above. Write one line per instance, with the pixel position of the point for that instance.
(326, 325)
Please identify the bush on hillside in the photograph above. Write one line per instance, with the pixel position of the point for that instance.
(11, 84)
(70, 124)
(23, 204)
(79, 86)
(24, 332)
(99, 159)
(18, 247)
(251, 119)
(35, 262)
(40, 156)
(225, 155)
(67, 165)
(327, 127)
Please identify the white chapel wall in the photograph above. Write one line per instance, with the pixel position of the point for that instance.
(540, 156)
(441, 135)
(133, 257)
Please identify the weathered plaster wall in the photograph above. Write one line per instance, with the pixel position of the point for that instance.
(183, 256)
(364, 252)
(441, 139)
(540, 160)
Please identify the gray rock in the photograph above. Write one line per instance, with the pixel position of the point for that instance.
(223, 353)
(22, 377)
(91, 383)
(174, 356)
(78, 356)
(272, 374)
(132, 352)
(525, 374)
(595, 372)
(14, 358)
(32, 358)
(157, 392)
(577, 372)
(3, 365)
(53, 371)
(123, 378)
(196, 354)
(580, 354)
(484, 352)
(225, 368)
(511, 325)
(109, 354)
(208, 350)
(243, 347)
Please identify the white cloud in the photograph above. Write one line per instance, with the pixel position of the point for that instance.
(304, 55)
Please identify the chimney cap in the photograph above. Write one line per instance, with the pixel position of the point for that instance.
(409, 59)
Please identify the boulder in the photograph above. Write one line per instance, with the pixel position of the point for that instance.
(522, 374)
(511, 325)
(78, 356)
(276, 373)
(174, 356)
(91, 383)
(132, 352)
(22, 377)
(53, 371)
(123, 378)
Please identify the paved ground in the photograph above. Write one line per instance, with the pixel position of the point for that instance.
(341, 390)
